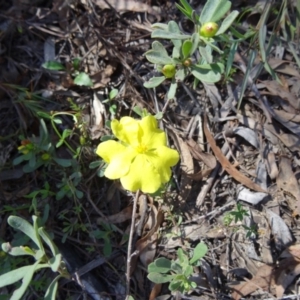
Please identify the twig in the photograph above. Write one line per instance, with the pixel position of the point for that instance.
(130, 245)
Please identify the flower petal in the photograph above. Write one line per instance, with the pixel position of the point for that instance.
(148, 182)
(127, 130)
(152, 136)
(107, 150)
(120, 164)
(163, 158)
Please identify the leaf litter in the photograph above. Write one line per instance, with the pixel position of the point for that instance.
(248, 155)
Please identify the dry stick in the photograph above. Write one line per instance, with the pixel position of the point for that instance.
(129, 250)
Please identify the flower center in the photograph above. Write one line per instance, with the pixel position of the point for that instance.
(141, 148)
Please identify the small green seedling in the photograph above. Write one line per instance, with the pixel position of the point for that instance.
(38, 151)
(179, 271)
(239, 213)
(80, 78)
(25, 274)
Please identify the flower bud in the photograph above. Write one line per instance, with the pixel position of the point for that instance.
(169, 71)
(209, 29)
(187, 62)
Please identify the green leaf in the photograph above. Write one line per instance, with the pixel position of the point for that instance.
(163, 34)
(55, 262)
(154, 82)
(158, 57)
(47, 239)
(174, 29)
(52, 289)
(95, 164)
(18, 160)
(32, 161)
(83, 79)
(160, 265)
(208, 73)
(176, 267)
(76, 63)
(17, 251)
(162, 26)
(172, 90)
(79, 194)
(180, 74)
(13, 276)
(159, 116)
(24, 226)
(186, 48)
(199, 252)
(63, 162)
(227, 22)
(107, 138)
(160, 278)
(175, 285)
(188, 271)
(18, 293)
(53, 66)
(113, 94)
(214, 10)
(57, 120)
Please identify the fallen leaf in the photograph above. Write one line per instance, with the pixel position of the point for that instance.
(262, 279)
(155, 291)
(286, 272)
(277, 89)
(280, 231)
(227, 166)
(120, 217)
(146, 246)
(287, 181)
(207, 158)
(125, 5)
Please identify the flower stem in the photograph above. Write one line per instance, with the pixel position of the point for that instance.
(129, 250)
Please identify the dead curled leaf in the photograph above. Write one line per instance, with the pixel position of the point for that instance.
(226, 165)
(287, 181)
(272, 278)
(146, 246)
(120, 217)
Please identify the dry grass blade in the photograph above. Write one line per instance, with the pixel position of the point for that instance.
(227, 166)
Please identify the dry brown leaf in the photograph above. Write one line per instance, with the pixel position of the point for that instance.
(120, 217)
(146, 246)
(155, 291)
(292, 251)
(287, 181)
(187, 166)
(227, 166)
(288, 269)
(126, 5)
(278, 90)
(198, 154)
(283, 67)
(199, 175)
(288, 117)
(262, 279)
(267, 277)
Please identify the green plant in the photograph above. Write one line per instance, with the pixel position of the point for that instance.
(39, 151)
(68, 186)
(179, 271)
(38, 236)
(80, 78)
(192, 53)
(106, 236)
(239, 213)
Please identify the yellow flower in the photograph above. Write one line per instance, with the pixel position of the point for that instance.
(141, 158)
